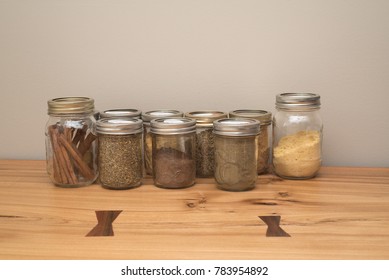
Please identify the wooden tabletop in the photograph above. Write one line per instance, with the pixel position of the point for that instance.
(343, 213)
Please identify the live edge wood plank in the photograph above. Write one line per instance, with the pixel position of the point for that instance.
(343, 213)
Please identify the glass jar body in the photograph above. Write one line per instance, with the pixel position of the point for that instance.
(71, 148)
(236, 162)
(148, 148)
(174, 160)
(264, 148)
(205, 152)
(297, 143)
(120, 160)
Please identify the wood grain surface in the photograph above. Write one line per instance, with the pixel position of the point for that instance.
(343, 213)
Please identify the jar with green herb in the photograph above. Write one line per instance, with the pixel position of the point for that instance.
(120, 152)
(173, 152)
(71, 149)
(147, 117)
(236, 145)
(264, 137)
(205, 149)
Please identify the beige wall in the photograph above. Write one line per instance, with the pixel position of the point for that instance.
(199, 54)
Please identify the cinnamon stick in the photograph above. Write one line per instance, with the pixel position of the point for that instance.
(86, 143)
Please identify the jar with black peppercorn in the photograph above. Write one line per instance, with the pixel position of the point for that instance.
(173, 152)
(236, 144)
(120, 152)
(205, 158)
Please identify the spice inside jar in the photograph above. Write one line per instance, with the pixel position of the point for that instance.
(120, 152)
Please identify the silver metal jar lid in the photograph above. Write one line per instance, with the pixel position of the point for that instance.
(161, 113)
(172, 126)
(236, 127)
(121, 113)
(70, 105)
(206, 117)
(264, 117)
(298, 101)
(119, 126)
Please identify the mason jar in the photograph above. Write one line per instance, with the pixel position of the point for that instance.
(264, 137)
(120, 152)
(236, 145)
(297, 135)
(71, 141)
(205, 149)
(120, 113)
(147, 117)
(173, 152)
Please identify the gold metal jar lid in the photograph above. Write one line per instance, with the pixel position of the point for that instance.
(298, 101)
(206, 117)
(70, 105)
(172, 126)
(161, 113)
(121, 113)
(236, 127)
(119, 126)
(264, 117)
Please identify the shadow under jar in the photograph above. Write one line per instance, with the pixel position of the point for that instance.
(236, 153)
(120, 152)
(71, 141)
(173, 152)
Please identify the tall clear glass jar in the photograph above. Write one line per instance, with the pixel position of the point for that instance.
(120, 152)
(236, 144)
(297, 135)
(71, 141)
(147, 117)
(205, 150)
(174, 152)
(264, 138)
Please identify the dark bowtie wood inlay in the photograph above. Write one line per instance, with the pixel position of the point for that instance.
(104, 223)
(273, 226)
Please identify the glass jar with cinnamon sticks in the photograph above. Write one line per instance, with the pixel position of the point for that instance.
(71, 141)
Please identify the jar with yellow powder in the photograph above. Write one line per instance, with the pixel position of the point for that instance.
(297, 135)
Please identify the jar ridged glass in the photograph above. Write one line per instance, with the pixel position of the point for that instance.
(120, 152)
(205, 150)
(174, 152)
(264, 137)
(147, 117)
(236, 144)
(71, 141)
(297, 135)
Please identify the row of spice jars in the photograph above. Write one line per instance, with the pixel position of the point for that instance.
(72, 161)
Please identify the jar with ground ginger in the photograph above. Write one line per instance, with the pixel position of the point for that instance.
(173, 152)
(120, 152)
(205, 150)
(236, 144)
(264, 137)
(297, 135)
(147, 117)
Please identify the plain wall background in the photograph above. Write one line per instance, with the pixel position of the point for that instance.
(199, 54)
